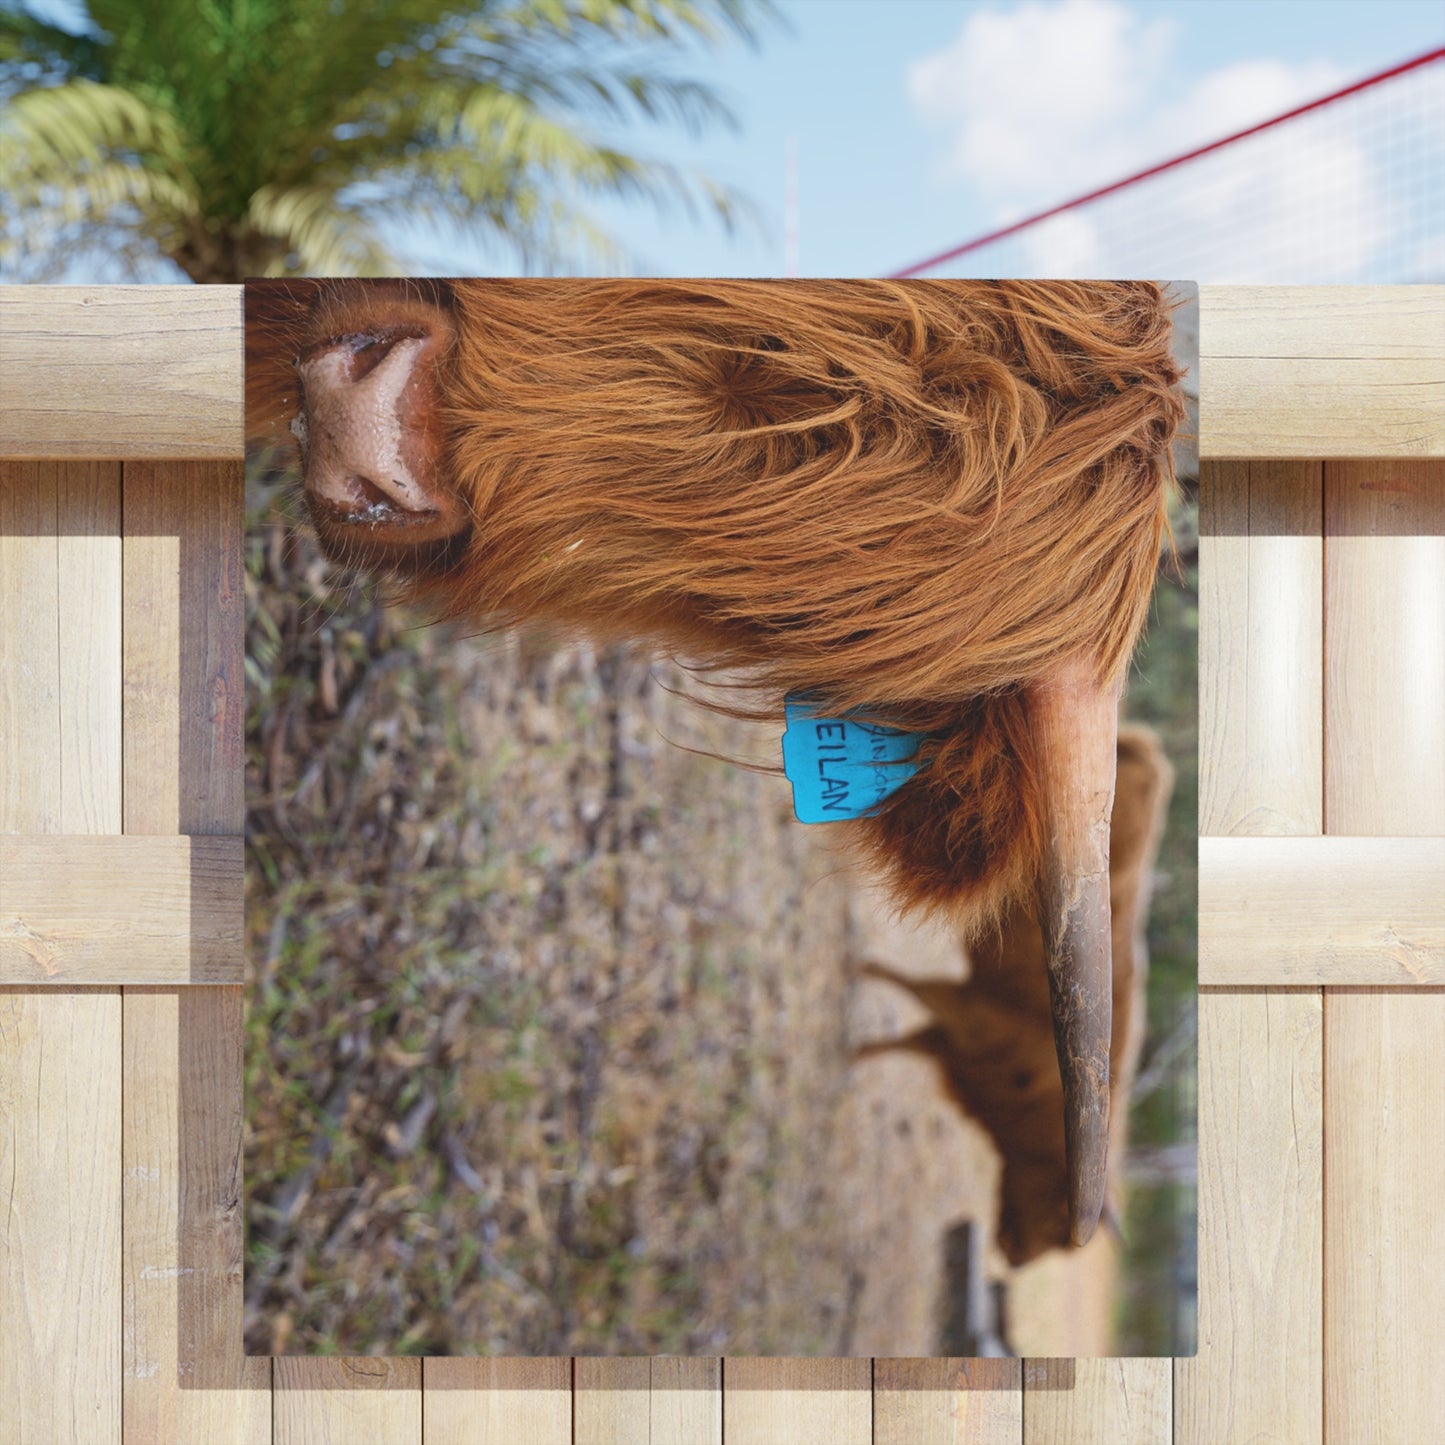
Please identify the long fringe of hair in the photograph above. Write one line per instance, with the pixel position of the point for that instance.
(908, 500)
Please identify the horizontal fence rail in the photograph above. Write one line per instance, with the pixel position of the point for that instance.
(154, 371)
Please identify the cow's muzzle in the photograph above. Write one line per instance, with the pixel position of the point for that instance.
(372, 437)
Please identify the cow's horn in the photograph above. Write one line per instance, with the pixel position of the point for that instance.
(1075, 727)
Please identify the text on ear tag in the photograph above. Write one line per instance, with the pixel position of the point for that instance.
(841, 768)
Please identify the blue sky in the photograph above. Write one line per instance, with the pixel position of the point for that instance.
(919, 123)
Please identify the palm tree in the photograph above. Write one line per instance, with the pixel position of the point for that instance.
(277, 137)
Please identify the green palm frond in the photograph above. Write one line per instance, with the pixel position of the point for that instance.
(281, 136)
(107, 185)
(82, 123)
(324, 237)
(83, 154)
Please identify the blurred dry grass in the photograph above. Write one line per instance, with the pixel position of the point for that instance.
(547, 1035)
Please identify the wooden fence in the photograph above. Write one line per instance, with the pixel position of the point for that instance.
(1322, 1008)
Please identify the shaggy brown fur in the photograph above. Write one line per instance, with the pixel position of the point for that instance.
(992, 1037)
(909, 499)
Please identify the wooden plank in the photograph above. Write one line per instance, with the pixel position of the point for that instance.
(1257, 1375)
(1322, 910)
(685, 1402)
(88, 548)
(60, 643)
(1384, 1225)
(1328, 371)
(186, 1373)
(184, 691)
(347, 1401)
(155, 371)
(610, 1400)
(497, 1402)
(948, 1402)
(805, 1402)
(60, 1067)
(60, 1337)
(1261, 617)
(1385, 658)
(1384, 1089)
(31, 796)
(667, 1401)
(120, 909)
(121, 371)
(1097, 1402)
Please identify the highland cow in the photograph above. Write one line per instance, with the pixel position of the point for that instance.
(933, 505)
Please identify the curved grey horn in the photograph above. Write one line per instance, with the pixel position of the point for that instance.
(1075, 727)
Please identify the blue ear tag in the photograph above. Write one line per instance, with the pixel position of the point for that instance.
(841, 768)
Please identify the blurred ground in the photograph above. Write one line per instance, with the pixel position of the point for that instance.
(550, 1015)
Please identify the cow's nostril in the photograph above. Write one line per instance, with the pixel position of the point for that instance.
(365, 497)
(361, 351)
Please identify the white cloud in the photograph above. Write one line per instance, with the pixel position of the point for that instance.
(1039, 97)
(1038, 102)
(1066, 245)
(1242, 94)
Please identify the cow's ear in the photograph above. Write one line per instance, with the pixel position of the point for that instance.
(372, 436)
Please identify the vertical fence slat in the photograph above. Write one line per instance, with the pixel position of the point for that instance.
(30, 772)
(60, 1067)
(610, 1400)
(1257, 1374)
(186, 1376)
(806, 1402)
(184, 690)
(1260, 618)
(1385, 647)
(88, 518)
(1097, 1402)
(496, 1402)
(948, 1402)
(685, 1402)
(60, 1296)
(353, 1401)
(1384, 1224)
(1258, 1371)
(1384, 1087)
